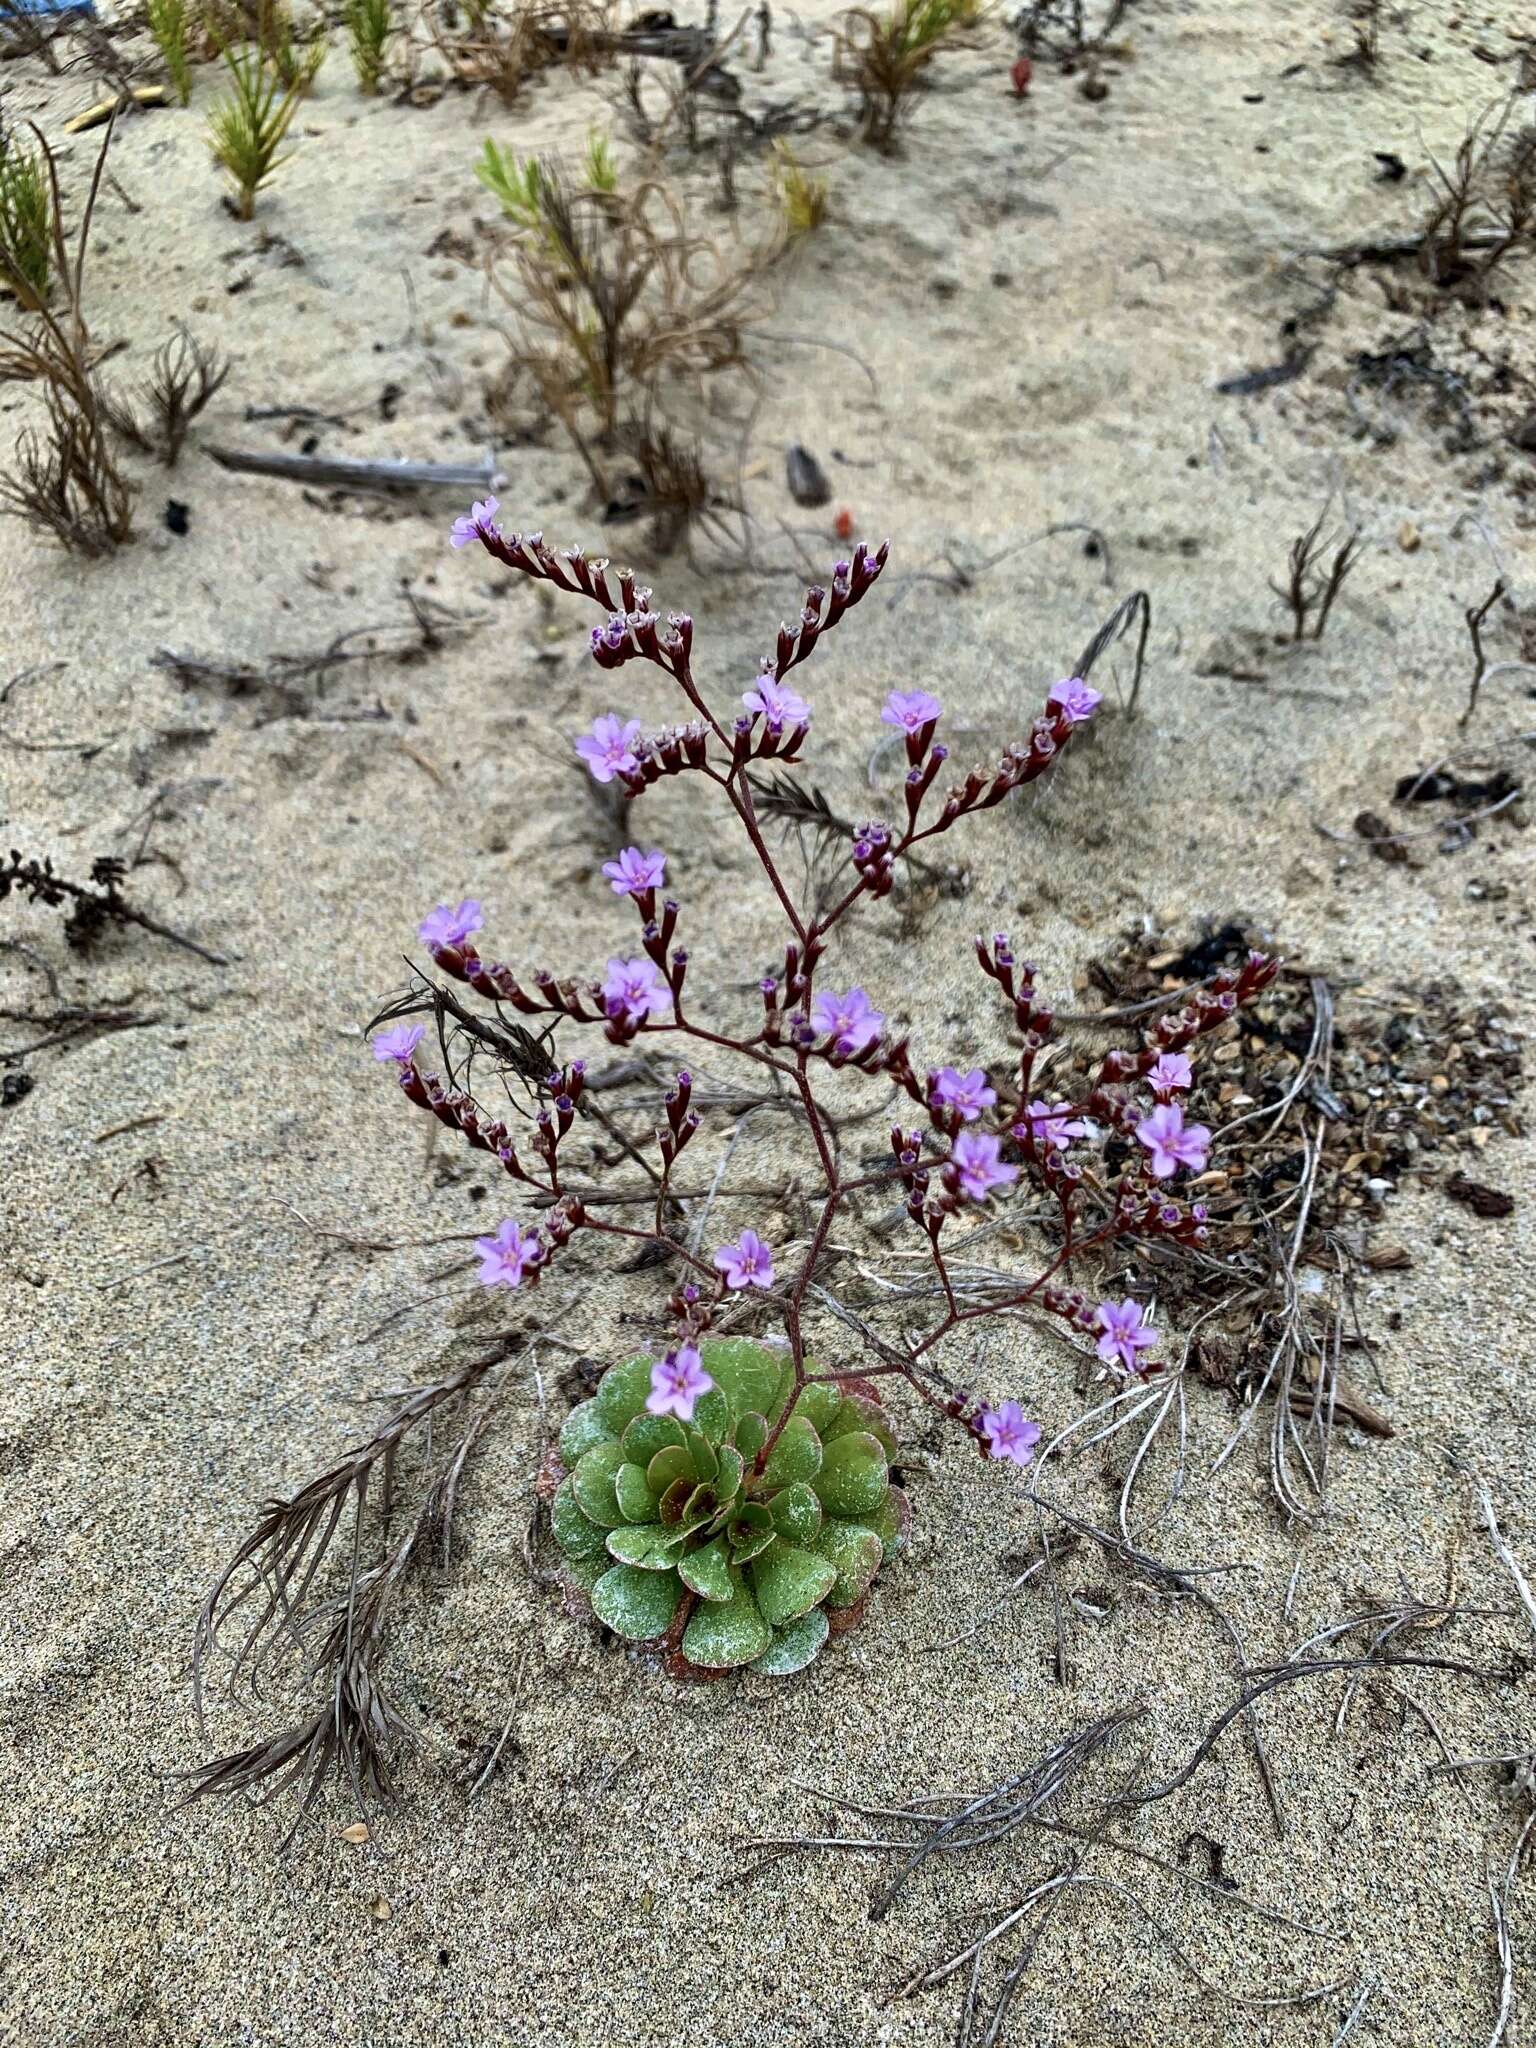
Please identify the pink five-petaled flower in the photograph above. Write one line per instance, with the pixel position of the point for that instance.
(966, 1094)
(911, 710)
(778, 703)
(480, 518)
(442, 929)
(677, 1382)
(1008, 1435)
(399, 1044)
(1170, 1074)
(1171, 1142)
(634, 990)
(747, 1263)
(1122, 1333)
(609, 748)
(851, 1020)
(1073, 699)
(634, 872)
(1052, 1130)
(509, 1255)
(978, 1166)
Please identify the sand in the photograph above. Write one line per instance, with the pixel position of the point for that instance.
(1046, 296)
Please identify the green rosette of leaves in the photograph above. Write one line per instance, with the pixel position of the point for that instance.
(680, 1533)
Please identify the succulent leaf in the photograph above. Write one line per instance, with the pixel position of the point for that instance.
(854, 1550)
(796, 1455)
(746, 1373)
(713, 1414)
(725, 1633)
(673, 1505)
(585, 1571)
(636, 1501)
(646, 1546)
(749, 1540)
(706, 1460)
(706, 1571)
(794, 1647)
(728, 1478)
(592, 1483)
(583, 1428)
(575, 1534)
(622, 1393)
(750, 1434)
(636, 1604)
(891, 1520)
(818, 1404)
(648, 1434)
(789, 1582)
(858, 1411)
(853, 1476)
(675, 1462)
(796, 1512)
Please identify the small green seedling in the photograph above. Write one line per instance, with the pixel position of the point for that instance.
(803, 197)
(519, 187)
(26, 224)
(368, 25)
(248, 128)
(170, 23)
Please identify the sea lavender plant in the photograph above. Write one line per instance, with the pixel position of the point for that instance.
(720, 1498)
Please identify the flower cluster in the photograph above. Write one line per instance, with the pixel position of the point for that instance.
(1114, 1164)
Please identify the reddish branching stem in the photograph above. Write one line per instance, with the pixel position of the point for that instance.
(968, 1138)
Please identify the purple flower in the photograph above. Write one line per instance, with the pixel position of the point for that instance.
(747, 1263)
(634, 990)
(1008, 1435)
(968, 1094)
(975, 1156)
(677, 1382)
(778, 703)
(480, 518)
(1073, 699)
(911, 710)
(634, 872)
(399, 1044)
(1122, 1332)
(851, 1020)
(608, 749)
(1052, 1131)
(444, 928)
(1170, 1075)
(508, 1255)
(1172, 1145)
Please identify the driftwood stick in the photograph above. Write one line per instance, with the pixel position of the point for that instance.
(362, 475)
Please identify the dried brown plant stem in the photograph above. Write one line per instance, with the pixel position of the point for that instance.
(1310, 588)
(1476, 616)
(66, 482)
(340, 1641)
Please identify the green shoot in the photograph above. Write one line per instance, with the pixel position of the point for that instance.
(368, 25)
(602, 170)
(519, 187)
(247, 129)
(26, 224)
(170, 23)
(803, 198)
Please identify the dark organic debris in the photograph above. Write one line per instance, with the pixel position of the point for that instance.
(1286, 372)
(93, 906)
(806, 478)
(1440, 785)
(1379, 836)
(1479, 1198)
